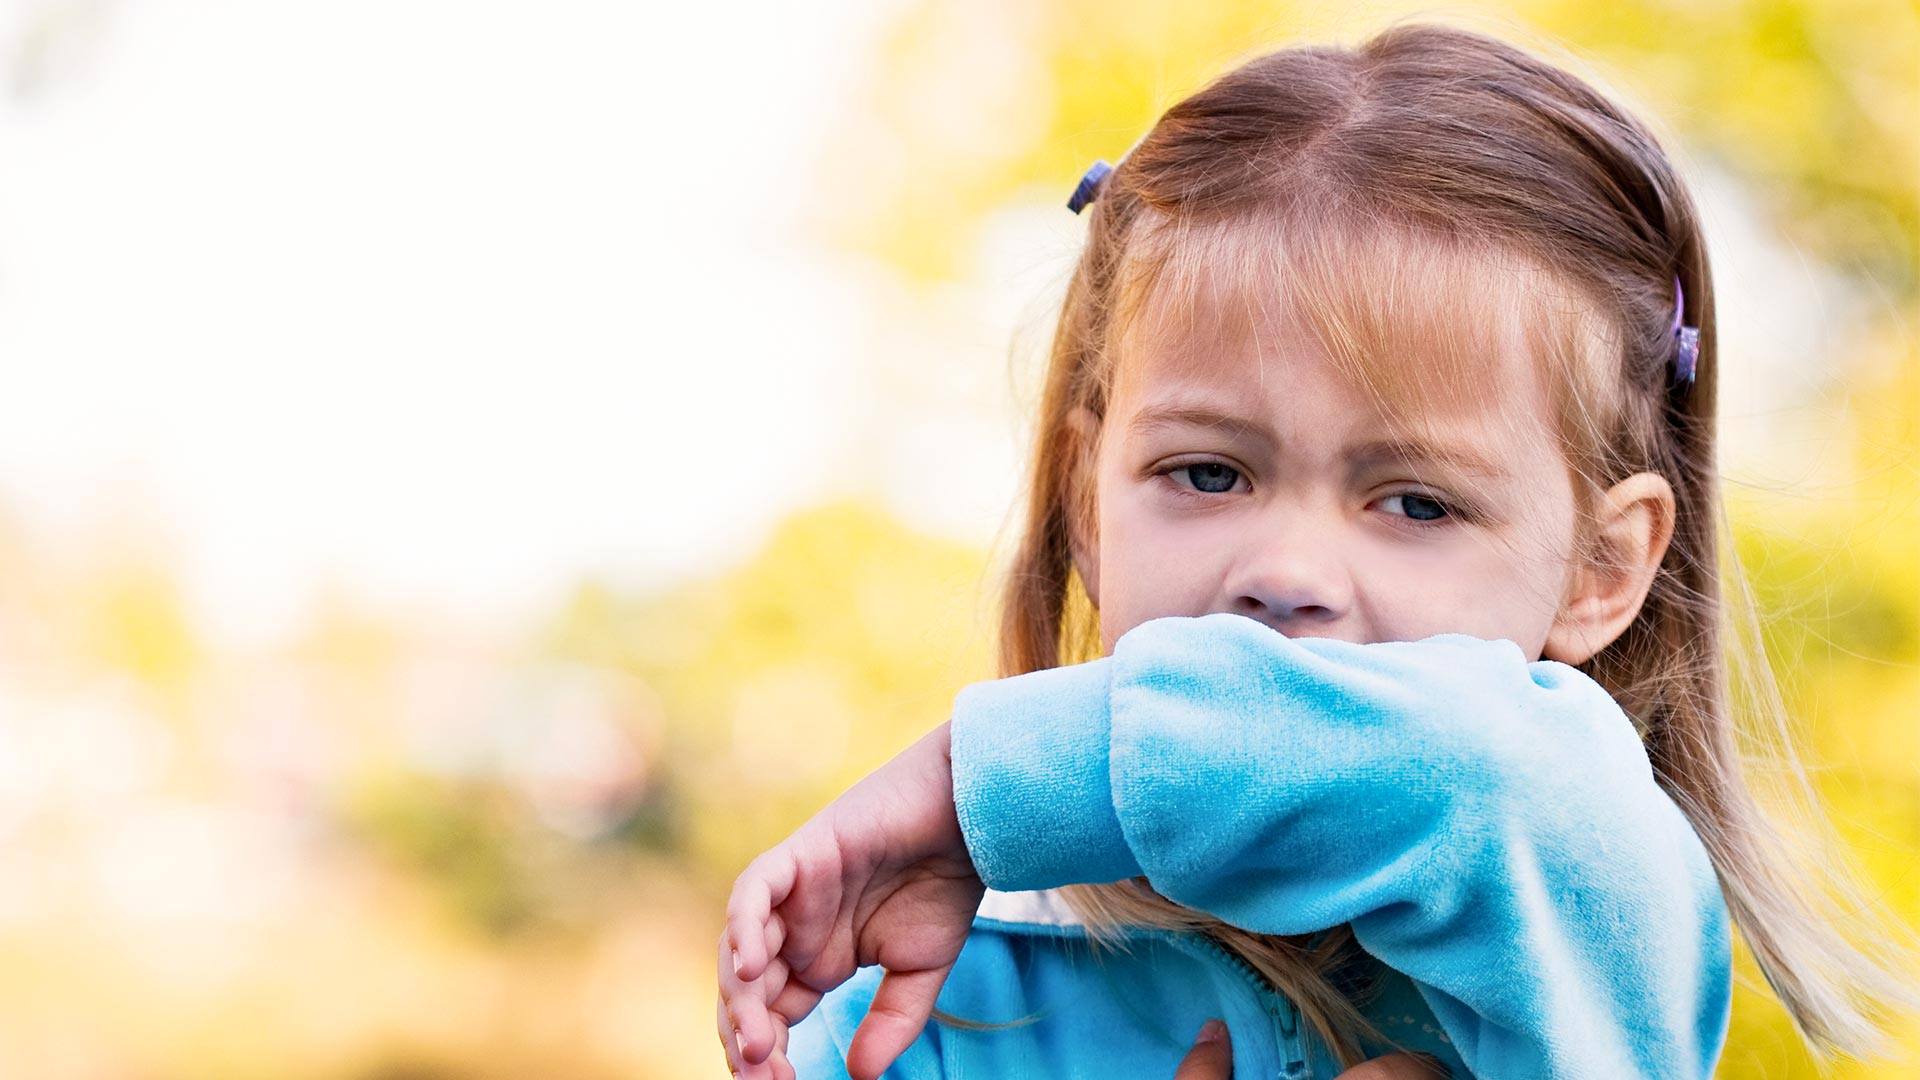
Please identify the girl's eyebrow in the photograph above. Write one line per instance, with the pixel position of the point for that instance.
(1458, 458)
(1161, 416)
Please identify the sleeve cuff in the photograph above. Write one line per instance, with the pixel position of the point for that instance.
(1031, 784)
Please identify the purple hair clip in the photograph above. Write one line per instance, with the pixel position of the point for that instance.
(1686, 338)
(1089, 186)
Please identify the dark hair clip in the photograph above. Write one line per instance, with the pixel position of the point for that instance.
(1089, 187)
(1686, 353)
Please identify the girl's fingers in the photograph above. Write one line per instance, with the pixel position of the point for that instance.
(759, 1034)
(747, 999)
(1211, 1057)
(725, 1024)
(776, 934)
(898, 1014)
(777, 1064)
(794, 1001)
(762, 885)
(734, 997)
(746, 1029)
(766, 1067)
(814, 911)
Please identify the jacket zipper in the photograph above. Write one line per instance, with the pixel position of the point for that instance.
(1286, 1020)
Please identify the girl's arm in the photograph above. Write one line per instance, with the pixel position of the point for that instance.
(1491, 827)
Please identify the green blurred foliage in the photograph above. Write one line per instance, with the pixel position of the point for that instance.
(1815, 103)
(467, 839)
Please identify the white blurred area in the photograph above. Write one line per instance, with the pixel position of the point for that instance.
(437, 302)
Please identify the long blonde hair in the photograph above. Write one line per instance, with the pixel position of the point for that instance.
(1378, 178)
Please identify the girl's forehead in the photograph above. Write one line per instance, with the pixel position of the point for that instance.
(1273, 357)
(1297, 403)
(1415, 329)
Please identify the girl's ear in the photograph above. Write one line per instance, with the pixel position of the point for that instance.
(1634, 523)
(1083, 427)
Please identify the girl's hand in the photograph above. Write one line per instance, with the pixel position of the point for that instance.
(881, 876)
(1211, 1057)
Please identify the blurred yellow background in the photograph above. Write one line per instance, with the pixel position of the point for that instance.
(473, 475)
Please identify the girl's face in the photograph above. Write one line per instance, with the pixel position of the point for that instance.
(1244, 474)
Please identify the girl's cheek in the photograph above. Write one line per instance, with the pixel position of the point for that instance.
(1168, 570)
(1459, 596)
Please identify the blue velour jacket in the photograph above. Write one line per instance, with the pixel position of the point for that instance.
(1533, 904)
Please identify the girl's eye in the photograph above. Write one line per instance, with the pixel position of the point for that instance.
(1422, 508)
(1208, 477)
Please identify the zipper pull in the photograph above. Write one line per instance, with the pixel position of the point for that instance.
(1289, 1041)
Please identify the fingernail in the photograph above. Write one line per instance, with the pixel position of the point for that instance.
(1212, 1031)
(737, 965)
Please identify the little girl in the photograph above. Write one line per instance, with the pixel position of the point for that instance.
(1378, 441)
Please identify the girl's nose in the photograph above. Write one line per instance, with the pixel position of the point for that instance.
(1294, 578)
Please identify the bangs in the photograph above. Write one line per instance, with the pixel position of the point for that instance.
(1422, 322)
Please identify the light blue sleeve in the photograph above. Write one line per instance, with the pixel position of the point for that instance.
(1490, 826)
